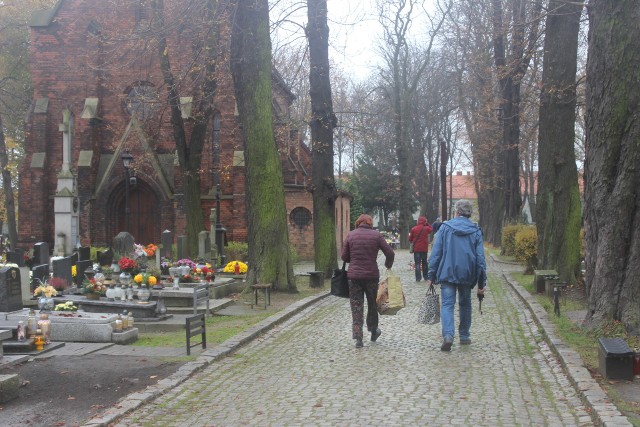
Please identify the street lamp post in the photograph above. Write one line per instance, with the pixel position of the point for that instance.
(127, 159)
(220, 230)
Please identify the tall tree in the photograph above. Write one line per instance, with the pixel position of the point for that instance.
(512, 56)
(323, 121)
(402, 76)
(612, 184)
(189, 148)
(269, 257)
(15, 94)
(559, 213)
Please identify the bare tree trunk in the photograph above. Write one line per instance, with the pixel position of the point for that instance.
(189, 152)
(8, 190)
(559, 213)
(612, 192)
(269, 256)
(322, 123)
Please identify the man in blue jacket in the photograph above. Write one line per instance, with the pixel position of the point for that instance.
(457, 263)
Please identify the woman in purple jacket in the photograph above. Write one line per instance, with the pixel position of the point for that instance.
(360, 250)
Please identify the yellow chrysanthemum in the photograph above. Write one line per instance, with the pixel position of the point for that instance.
(152, 280)
(74, 270)
(231, 267)
(138, 278)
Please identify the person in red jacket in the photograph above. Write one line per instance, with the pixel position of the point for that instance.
(360, 250)
(419, 236)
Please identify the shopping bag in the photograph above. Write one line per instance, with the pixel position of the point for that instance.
(390, 297)
(429, 312)
(339, 282)
(411, 247)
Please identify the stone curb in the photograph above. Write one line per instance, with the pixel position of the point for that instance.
(604, 412)
(134, 400)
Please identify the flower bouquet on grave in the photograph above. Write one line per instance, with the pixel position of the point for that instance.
(93, 289)
(235, 267)
(205, 273)
(45, 290)
(67, 306)
(126, 264)
(145, 280)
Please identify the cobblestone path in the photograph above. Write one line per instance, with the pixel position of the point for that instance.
(308, 372)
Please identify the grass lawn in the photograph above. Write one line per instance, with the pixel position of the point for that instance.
(585, 341)
(220, 328)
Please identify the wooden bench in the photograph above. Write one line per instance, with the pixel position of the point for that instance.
(201, 293)
(196, 326)
(266, 291)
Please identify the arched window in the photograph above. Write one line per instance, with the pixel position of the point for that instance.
(142, 100)
(300, 217)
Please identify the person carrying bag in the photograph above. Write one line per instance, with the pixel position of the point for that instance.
(340, 283)
(390, 297)
(360, 250)
(429, 312)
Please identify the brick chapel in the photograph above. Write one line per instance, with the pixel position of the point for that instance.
(95, 100)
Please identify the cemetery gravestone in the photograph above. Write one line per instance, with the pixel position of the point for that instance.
(183, 248)
(62, 269)
(204, 245)
(10, 289)
(106, 257)
(123, 244)
(167, 242)
(40, 273)
(41, 253)
(81, 266)
(16, 256)
(84, 253)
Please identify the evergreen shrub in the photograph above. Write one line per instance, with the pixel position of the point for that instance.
(526, 247)
(508, 243)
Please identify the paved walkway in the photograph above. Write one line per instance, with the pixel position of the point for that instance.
(306, 371)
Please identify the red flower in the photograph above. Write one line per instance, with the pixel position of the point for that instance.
(126, 263)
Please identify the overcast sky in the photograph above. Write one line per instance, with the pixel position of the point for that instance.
(354, 30)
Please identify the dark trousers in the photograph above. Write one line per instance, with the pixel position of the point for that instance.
(421, 265)
(358, 289)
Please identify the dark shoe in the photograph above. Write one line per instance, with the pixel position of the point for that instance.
(375, 334)
(465, 342)
(446, 344)
(359, 344)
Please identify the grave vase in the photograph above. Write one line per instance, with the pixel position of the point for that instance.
(45, 304)
(125, 278)
(144, 294)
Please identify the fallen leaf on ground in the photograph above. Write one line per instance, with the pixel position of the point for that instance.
(153, 376)
(71, 398)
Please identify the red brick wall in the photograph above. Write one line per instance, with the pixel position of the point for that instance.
(70, 64)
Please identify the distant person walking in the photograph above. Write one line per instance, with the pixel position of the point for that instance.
(360, 250)
(457, 263)
(419, 236)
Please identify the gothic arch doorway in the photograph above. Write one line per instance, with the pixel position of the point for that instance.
(144, 212)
